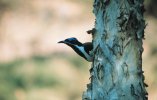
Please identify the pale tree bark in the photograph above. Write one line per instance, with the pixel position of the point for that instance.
(116, 72)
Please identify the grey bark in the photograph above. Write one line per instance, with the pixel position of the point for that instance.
(116, 72)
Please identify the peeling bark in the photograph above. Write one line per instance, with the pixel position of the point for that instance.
(116, 72)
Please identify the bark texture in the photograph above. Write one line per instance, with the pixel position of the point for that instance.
(116, 72)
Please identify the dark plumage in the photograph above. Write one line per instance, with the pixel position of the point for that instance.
(81, 49)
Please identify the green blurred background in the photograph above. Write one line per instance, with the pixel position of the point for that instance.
(34, 67)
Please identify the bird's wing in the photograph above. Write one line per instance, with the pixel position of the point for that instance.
(88, 46)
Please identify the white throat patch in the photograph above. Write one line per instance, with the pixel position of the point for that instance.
(84, 52)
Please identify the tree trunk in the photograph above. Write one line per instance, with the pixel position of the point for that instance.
(116, 72)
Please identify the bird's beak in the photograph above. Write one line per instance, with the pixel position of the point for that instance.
(65, 42)
(61, 42)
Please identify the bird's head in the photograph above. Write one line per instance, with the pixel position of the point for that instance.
(71, 41)
(81, 49)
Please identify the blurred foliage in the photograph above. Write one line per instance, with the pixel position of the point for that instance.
(153, 51)
(9, 4)
(14, 75)
(151, 7)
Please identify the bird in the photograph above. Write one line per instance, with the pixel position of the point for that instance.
(82, 49)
